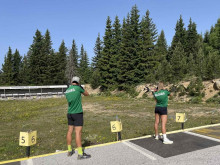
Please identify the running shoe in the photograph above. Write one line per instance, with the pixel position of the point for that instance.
(167, 141)
(156, 137)
(84, 156)
(70, 153)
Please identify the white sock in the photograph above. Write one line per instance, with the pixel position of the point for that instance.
(156, 136)
(164, 136)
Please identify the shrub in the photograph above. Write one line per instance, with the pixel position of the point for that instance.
(195, 88)
(95, 79)
(196, 100)
(132, 92)
(182, 93)
(122, 94)
(181, 88)
(213, 100)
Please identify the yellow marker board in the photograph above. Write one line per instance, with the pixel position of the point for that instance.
(28, 138)
(180, 117)
(116, 126)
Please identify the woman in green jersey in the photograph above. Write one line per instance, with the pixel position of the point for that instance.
(161, 97)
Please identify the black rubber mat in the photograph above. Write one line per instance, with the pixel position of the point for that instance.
(183, 143)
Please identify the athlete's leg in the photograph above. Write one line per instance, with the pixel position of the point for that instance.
(69, 134)
(157, 120)
(78, 133)
(163, 123)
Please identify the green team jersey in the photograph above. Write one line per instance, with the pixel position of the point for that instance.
(73, 96)
(162, 98)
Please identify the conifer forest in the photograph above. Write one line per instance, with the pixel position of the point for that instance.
(131, 52)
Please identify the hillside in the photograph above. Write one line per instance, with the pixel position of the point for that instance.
(210, 89)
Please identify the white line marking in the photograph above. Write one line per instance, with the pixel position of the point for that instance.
(30, 162)
(138, 150)
(203, 136)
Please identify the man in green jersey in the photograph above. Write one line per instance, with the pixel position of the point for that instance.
(161, 97)
(75, 116)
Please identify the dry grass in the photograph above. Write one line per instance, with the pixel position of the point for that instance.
(48, 117)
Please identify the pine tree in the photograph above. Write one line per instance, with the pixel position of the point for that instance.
(106, 76)
(1, 78)
(134, 48)
(72, 62)
(191, 65)
(147, 57)
(16, 68)
(97, 50)
(87, 69)
(178, 63)
(24, 72)
(179, 37)
(96, 77)
(206, 43)
(116, 45)
(161, 47)
(61, 60)
(84, 69)
(213, 65)
(191, 40)
(54, 70)
(125, 63)
(200, 64)
(7, 68)
(46, 65)
(215, 36)
(36, 60)
(162, 72)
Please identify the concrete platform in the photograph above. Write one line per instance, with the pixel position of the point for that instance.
(189, 148)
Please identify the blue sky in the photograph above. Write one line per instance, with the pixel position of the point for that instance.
(82, 20)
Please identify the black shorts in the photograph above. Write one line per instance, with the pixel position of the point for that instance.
(75, 119)
(161, 110)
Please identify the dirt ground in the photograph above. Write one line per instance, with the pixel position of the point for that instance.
(209, 89)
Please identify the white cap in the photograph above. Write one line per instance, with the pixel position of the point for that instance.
(76, 79)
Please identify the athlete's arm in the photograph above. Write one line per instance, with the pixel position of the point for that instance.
(85, 93)
(170, 94)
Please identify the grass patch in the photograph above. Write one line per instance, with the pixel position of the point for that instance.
(48, 117)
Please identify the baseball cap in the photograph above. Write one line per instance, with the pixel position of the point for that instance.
(76, 79)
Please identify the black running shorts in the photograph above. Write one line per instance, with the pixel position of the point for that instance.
(75, 119)
(161, 110)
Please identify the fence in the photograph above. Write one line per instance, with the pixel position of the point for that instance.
(13, 92)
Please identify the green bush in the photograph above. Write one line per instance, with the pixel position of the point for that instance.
(95, 79)
(122, 94)
(181, 89)
(196, 100)
(213, 100)
(132, 92)
(182, 93)
(195, 88)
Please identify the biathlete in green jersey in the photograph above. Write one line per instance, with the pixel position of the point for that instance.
(161, 97)
(75, 116)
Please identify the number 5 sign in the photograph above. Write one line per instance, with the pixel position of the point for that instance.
(28, 138)
(116, 126)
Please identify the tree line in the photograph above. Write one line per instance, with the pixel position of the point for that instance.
(129, 53)
(43, 66)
